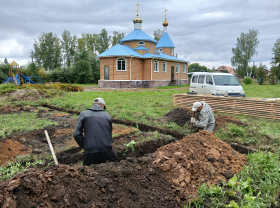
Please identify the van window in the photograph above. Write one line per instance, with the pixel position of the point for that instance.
(201, 79)
(194, 79)
(209, 80)
(225, 80)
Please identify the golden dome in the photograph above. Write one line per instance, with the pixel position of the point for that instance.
(137, 20)
(165, 23)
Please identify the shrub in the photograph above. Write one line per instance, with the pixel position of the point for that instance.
(81, 72)
(247, 80)
(262, 75)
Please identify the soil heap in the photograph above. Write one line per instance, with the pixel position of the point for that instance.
(130, 183)
(197, 158)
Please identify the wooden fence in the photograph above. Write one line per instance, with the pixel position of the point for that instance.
(248, 106)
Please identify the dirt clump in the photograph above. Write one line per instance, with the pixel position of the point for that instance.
(134, 183)
(197, 158)
(9, 150)
(179, 115)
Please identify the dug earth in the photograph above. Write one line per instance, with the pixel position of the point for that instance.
(167, 178)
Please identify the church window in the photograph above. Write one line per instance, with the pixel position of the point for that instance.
(164, 66)
(172, 51)
(121, 64)
(156, 66)
(160, 50)
(184, 68)
(177, 68)
(141, 43)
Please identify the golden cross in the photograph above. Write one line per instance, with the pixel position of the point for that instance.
(165, 12)
(137, 8)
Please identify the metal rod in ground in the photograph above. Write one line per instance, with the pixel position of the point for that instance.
(51, 147)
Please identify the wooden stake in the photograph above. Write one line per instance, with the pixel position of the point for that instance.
(51, 147)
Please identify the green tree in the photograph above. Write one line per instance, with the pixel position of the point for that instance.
(103, 41)
(275, 70)
(195, 67)
(95, 68)
(6, 61)
(157, 34)
(81, 44)
(81, 72)
(117, 37)
(68, 47)
(245, 49)
(261, 73)
(32, 69)
(47, 51)
(276, 53)
(4, 72)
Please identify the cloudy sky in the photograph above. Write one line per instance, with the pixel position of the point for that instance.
(202, 31)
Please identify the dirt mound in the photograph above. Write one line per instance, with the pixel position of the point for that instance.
(222, 120)
(9, 150)
(179, 115)
(196, 158)
(133, 183)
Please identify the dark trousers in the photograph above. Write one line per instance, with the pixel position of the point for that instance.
(99, 157)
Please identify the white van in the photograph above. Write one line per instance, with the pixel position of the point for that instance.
(220, 84)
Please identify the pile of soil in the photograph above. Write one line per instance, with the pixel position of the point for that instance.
(129, 183)
(9, 150)
(179, 115)
(197, 158)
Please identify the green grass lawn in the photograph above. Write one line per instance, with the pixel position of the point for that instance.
(262, 91)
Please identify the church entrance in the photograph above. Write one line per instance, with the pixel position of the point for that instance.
(106, 72)
(172, 72)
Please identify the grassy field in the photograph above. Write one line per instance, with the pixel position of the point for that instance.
(262, 91)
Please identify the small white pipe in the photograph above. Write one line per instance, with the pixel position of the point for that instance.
(51, 147)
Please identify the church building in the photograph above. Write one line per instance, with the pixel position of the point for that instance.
(141, 61)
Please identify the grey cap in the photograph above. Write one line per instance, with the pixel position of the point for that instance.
(99, 101)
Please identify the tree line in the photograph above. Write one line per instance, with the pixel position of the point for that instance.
(246, 49)
(70, 59)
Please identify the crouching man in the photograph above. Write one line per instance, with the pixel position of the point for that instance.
(93, 133)
(207, 119)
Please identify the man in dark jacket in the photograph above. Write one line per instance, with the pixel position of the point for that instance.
(93, 133)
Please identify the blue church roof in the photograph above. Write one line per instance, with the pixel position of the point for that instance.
(163, 56)
(165, 41)
(138, 35)
(120, 50)
(141, 48)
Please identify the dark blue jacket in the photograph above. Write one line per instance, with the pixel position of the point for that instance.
(97, 128)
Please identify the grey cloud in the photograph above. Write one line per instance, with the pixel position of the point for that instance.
(203, 31)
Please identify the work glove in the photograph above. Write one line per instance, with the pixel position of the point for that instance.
(192, 119)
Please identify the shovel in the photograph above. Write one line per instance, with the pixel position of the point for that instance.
(192, 122)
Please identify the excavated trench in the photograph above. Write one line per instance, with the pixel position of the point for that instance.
(143, 176)
(62, 139)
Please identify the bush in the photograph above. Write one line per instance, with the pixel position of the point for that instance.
(81, 72)
(247, 80)
(261, 75)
